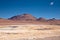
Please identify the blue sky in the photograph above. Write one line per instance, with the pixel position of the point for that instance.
(38, 8)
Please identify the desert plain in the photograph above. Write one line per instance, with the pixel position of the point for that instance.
(29, 32)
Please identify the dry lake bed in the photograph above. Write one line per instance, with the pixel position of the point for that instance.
(30, 32)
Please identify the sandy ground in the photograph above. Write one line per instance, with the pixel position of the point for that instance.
(30, 32)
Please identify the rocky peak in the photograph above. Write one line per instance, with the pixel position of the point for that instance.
(41, 19)
(23, 17)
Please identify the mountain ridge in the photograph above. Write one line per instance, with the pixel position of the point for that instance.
(29, 19)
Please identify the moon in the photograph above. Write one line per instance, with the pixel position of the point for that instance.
(51, 3)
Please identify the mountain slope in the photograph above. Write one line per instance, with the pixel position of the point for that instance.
(26, 17)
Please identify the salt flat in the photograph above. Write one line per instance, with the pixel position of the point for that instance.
(30, 32)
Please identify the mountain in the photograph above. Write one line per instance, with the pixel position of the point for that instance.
(41, 19)
(54, 21)
(26, 17)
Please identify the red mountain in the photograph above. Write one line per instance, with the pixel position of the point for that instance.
(41, 19)
(54, 21)
(26, 17)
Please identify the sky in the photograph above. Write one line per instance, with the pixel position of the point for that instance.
(38, 8)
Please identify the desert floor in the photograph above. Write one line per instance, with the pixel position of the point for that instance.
(30, 32)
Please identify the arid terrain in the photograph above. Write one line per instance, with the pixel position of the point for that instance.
(30, 32)
(28, 27)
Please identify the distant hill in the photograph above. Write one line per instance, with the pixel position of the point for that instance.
(28, 19)
(54, 21)
(41, 19)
